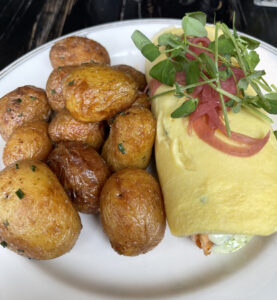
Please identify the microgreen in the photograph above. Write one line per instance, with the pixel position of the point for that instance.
(213, 66)
(185, 109)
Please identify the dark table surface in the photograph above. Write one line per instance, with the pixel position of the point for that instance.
(27, 24)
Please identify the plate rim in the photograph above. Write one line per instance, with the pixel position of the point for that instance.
(122, 23)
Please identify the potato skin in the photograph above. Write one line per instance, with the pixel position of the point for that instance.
(24, 104)
(75, 50)
(132, 212)
(64, 127)
(82, 172)
(130, 140)
(142, 100)
(54, 87)
(42, 224)
(94, 93)
(30, 141)
(138, 77)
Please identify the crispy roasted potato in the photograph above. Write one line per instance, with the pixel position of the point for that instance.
(64, 127)
(132, 212)
(138, 77)
(30, 141)
(94, 93)
(130, 140)
(142, 100)
(75, 50)
(24, 104)
(37, 220)
(82, 172)
(54, 87)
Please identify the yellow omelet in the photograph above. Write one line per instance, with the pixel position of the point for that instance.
(206, 190)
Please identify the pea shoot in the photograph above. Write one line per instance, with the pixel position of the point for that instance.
(212, 66)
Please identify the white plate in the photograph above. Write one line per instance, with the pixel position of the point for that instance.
(176, 269)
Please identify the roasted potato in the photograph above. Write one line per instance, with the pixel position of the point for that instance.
(94, 93)
(132, 212)
(37, 220)
(24, 104)
(82, 172)
(30, 141)
(142, 100)
(130, 140)
(75, 50)
(138, 77)
(64, 127)
(54, 87)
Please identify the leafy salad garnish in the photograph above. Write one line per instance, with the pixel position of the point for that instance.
(228, 50)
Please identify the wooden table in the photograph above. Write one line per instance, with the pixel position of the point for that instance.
(26, 24)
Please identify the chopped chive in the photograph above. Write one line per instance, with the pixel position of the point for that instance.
(9, 109)
(70, 82)
(33, 168)
(121, 148)
(18, 100)
(61, 57)
(4, 244)
(53, 91)
(20, 194)
(6, 223)
(33, 98)
(17, 166)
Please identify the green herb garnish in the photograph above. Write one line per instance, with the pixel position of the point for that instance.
(203, 69)
(70, 82)
(121, 148)
(4, 244)
(20, 194)
(6, 223)
(53, 91)
(20, 250)
(33, 168)
(18, 100)
(17, 166)
(61, 57)
(33, 98)
(9, 109)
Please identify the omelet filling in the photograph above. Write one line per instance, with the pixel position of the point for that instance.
(228, 243)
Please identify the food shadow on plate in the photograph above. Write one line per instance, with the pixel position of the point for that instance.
(183, 286)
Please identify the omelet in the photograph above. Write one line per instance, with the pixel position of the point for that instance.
(207, 191)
